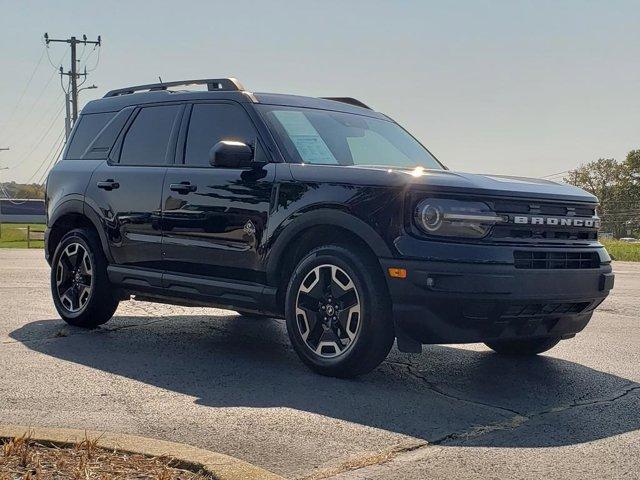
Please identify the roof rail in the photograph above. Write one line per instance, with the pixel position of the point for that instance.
(349, 100)
(211, 83)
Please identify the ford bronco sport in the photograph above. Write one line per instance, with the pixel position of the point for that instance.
(317, 210)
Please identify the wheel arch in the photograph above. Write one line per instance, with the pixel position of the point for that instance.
(311, 229)
(69, 215)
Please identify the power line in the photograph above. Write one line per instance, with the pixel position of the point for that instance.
(33, 105)
(37, 144)
(556, 174)
(46, 157)
(97, 59)
(24, 90)
(55, 157)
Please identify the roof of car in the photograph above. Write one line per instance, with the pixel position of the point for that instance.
(114, 103)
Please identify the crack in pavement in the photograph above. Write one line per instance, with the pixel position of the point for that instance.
(624, 391)
(431, 386)
(366, 460)
(521, 419)
(74, 332)
(513, 422)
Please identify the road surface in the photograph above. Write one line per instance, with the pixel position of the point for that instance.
(231, 384)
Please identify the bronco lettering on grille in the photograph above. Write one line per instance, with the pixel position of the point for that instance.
(558, 221)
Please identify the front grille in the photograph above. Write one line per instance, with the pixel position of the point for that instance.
(541, 260)
(514, 232)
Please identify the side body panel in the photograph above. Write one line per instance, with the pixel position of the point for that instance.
(217, 229)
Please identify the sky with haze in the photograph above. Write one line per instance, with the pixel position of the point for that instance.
(528, 88)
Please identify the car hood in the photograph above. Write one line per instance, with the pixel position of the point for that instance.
(443, 181)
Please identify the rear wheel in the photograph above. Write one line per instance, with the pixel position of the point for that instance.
(338, 313)
(81, 290)
(531, 346)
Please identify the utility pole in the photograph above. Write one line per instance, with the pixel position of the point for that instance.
(67, 118)
(73, 73)
(2, 168)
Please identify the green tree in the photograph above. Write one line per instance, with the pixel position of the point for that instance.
(21, 190)
(617, 186)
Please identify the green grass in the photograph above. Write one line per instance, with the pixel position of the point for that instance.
(14, 235)
(628, 252)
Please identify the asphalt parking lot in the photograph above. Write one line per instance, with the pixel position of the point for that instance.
(232, 384)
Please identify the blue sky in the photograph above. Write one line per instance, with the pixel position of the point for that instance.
(515, 87)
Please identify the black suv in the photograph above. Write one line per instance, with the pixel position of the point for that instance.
(318, 210)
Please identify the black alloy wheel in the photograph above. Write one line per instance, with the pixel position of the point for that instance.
(328, 311)
(74, 277)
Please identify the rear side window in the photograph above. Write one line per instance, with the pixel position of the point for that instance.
(88, 128)
(146, 141)
(212, 122)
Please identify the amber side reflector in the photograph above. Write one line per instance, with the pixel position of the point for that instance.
(397, 273)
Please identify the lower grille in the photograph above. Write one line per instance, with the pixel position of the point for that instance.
(525, 310)
(535, 309)
(537, 260)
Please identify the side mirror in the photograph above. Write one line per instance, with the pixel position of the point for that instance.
(231, 154)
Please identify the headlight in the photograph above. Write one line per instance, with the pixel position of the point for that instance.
(455, 218)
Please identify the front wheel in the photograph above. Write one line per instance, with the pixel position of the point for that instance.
(338, 312)
(531, 346)
(81, 290)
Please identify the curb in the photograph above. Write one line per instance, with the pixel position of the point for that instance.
(222, 467)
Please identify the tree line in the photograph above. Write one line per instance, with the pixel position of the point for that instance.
(21, 190)
(617, 186)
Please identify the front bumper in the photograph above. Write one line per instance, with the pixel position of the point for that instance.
(465, 302)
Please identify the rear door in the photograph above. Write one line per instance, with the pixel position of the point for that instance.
(214, 218)
(126, 191)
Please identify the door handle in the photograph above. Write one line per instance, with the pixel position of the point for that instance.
(108, 185)
(183, 187)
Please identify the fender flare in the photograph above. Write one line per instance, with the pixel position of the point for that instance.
(79, 207)
(301, 221)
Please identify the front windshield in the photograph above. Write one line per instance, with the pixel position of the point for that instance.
(323, 137)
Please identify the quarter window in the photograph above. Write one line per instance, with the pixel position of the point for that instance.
(148, 137)
(88, 128)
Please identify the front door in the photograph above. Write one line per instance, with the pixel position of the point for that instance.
(214, 218)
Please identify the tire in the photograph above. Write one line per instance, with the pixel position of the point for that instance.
(359, 335)
(80, 288)
(531, 346)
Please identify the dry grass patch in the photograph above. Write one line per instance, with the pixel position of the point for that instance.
(22, 458)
